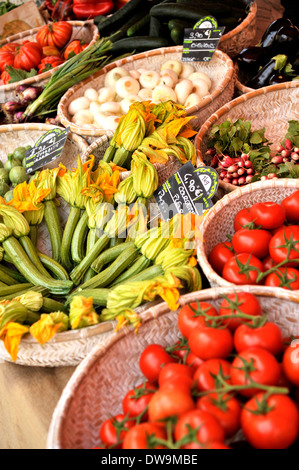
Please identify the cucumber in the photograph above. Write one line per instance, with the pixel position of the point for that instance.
(120, 16)
(156, 27)
(175, 10)
(177, 35)
(121, 32)
(138, 25)
(138, 44)
(176, 23)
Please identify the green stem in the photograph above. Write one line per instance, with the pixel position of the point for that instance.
(30, 250)
(65, 250)
(54, 228)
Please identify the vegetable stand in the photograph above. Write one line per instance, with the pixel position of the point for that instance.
(90, 259)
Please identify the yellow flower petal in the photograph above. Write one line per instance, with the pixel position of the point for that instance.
(44, 329)
(11, 334)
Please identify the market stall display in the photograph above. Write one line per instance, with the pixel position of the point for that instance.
(260, 131)
(219, 70)
(90, 398)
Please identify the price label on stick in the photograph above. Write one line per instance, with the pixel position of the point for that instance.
(201, 41)
(188, 190)
(48, 148)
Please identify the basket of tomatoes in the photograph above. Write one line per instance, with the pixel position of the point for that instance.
(217, 373)
(32, 56)
(251, 236)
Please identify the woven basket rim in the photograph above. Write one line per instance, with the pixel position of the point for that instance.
(35, 126)
(238, 84)
(45, 75)
(249, 18)
(55, 428)
(226, 108)
(225, 201)
(62, 105)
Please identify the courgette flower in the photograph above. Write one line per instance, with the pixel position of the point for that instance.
(82, 313)
(48, 325)
(14, 220)
(11, 335)
(27, 198)
(71, 182)
(145, 176)
(31, 300)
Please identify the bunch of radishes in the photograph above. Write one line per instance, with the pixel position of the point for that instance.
(234, 170)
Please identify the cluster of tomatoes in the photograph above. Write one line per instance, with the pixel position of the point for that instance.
(264, 248)
(47, 52)
(231, 380)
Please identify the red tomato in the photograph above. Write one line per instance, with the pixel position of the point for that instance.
(178, 382)
(10, 47)
(209, 343)
(152, 359)
(242, 269)
(137, 399)
(219, 255)
(141, 435)
(204, 376)
(167, 403)
(290, 362)
(113, 430)
(243, 219)
(170, 371)
(268, 215)
(241, 302)
(193, 361)
(5, 77)
(209, 446)
(285, 242)
(49, 63)
(255, 242)
(227, 410)
(188, 319)
(74, 48)
(209, 428)
(291, 206)
(51, 51)
(6, 58)
(254, 364)
(287, 278)
(56, 34)
(268, 336)
(268, 263)
(275, 427)
(283, 380)
(28, 56)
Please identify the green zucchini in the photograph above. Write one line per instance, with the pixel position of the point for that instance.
(119, 17)
(40, 289)
(138, 44)
(138, 25)
(175, 10)
(30, 250)
(70, 226)
(150, 273)
(110, 255)
(54, 228)
(79, 237)
(4, 291)
(176, 23)
(177, 35)
(18, 277)
(122, 262)
(99, 296)
(121, 32)
(6, 278)
(115, 241)
(140, 265)
(53, 266)
(156, 27)
(51, 305)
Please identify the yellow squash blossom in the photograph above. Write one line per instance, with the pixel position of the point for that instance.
(82, 313)
(48, 325)
(11, 335)
(128, 317)
(27, 198)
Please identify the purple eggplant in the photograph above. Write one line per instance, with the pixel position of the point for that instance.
(251, 58)
(286, 41)
(273, 28)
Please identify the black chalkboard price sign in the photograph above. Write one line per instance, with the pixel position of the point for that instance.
(201, 41)
(190, 189)
(48, 147)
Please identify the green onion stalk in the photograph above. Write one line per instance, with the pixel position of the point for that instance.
(76, 69)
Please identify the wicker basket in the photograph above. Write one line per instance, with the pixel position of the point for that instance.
(220, 70)
(270, 107)
(83, 30)
(218, 223)
(242, 36)
(94, 392)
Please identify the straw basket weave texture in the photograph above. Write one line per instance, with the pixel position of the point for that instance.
(220, 69)
(270, 107)
(98, 147)
(242, 36)
(95, 391)
(219, 221)
(82, 30)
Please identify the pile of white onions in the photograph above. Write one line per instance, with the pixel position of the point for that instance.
(103, 108)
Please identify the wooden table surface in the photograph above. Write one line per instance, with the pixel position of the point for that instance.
(28, 397)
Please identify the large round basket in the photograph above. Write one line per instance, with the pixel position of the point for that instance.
(242, 36)
(218, 223)
(270, 107)
(94, 392)
(219, 69)
(82, 30)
